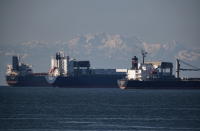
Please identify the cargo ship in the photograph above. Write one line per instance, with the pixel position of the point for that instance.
(21, 74)
(66, 72)
(157, 75)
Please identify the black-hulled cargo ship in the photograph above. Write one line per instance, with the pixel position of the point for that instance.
(21, 74)
(159, 84)
(66, 72)
(88, 81)
(156, 75)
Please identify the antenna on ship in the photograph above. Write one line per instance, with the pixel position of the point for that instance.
(144, 54)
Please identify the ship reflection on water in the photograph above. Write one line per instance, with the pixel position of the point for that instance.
(28, 108)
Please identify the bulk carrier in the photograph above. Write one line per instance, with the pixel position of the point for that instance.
(157, 75)
(66, 72)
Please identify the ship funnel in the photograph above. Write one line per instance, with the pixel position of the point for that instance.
(135, 63)
(15, 63)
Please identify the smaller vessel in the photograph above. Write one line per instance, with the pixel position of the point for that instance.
(156, 75)
(21, 74)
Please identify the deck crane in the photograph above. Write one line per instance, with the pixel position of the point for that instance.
(178, 67)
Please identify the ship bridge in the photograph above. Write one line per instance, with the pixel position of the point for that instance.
(163, 66)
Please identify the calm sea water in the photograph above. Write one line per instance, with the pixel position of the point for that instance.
(41, 108)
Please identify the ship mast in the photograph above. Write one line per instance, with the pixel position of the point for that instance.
(144, 53)
(177, 68)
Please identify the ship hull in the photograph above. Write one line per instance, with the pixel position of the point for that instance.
(28, 80)
(95, 81)
(159, 84)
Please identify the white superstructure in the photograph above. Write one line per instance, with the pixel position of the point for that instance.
(149, 70)
(59, 64)
(144, 72)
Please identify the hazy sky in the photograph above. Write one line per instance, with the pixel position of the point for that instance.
(153, 20)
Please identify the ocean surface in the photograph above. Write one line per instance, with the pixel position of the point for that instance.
(60, 109)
